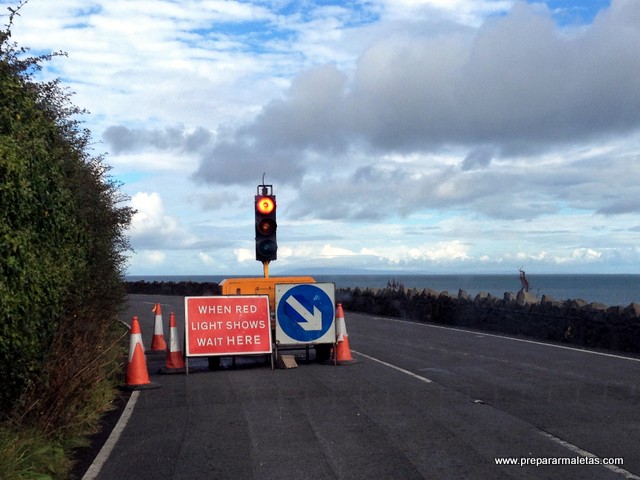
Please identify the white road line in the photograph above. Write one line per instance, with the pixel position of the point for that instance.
(585, 453)
(424, 379)
(94, 470)
(479, 332)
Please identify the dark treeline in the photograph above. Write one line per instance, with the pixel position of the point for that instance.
(186, 289)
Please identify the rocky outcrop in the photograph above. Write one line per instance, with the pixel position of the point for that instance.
(572, 321)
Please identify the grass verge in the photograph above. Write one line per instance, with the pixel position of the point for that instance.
(59, 416)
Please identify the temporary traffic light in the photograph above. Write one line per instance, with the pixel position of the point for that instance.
(266, 244)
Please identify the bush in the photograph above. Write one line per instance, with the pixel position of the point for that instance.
(62, 249)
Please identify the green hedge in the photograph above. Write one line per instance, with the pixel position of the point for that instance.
(61, 223)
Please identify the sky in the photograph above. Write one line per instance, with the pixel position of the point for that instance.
(424, 136)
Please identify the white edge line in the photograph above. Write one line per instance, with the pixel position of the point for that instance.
(94, 470)
(480, 332)
(419, 377)
(585, 453)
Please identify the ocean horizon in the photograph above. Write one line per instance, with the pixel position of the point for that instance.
(608, 289)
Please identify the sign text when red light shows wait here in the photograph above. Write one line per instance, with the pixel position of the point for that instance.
(227, 325)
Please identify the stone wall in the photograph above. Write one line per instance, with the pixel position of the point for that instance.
(574, 322)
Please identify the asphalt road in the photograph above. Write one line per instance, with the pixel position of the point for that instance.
(422, 402)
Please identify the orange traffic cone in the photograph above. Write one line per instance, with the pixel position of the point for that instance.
(343, 352)
(175, 361)
(158, 344)
(137, 374)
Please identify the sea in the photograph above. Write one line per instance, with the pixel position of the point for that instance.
(608, 289)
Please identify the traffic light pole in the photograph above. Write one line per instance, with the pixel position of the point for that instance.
(265, 269)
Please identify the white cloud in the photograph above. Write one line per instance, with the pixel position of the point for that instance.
(154, 257)
(152, 227)
(455, 250)
(150, 217)
(422, 135)
(462, 11)
(328, 251)
(585, 255)
(206, 258)
(244, 255)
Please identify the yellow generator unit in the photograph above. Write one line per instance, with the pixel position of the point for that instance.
(259, 286)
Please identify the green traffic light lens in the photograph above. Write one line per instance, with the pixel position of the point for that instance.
(267, 247)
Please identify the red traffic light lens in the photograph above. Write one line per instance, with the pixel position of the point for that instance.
(265, 205)
(267, 226)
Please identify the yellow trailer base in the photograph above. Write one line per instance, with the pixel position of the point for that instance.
(259, 286)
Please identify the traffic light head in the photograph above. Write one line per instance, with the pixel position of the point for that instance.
(266, 243)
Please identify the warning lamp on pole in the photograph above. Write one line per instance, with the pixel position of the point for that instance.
(265, 206)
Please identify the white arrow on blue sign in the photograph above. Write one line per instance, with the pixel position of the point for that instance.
(309, 318)
(305, 313)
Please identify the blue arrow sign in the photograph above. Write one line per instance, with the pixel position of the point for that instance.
(305, 312)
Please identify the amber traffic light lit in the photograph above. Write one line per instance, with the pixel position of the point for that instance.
(266, 205)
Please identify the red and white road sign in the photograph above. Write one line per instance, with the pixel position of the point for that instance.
(227, 325)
